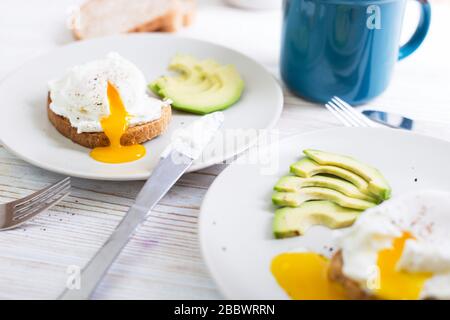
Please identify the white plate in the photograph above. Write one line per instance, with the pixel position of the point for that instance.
(26, 131)
(236, 214)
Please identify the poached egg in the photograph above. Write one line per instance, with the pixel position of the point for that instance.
(398, 250)
(106, 95)
(401, 249)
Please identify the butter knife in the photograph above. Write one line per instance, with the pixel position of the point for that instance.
(173, 163)
(397, 121)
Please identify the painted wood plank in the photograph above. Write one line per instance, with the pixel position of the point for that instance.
(71, 232)
(163, 259)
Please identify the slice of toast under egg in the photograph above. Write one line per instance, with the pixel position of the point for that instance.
(134, 134)
(352, 288)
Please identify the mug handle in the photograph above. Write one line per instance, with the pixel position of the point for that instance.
(420, 33)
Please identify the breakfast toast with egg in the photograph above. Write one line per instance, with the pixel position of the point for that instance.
(97, 18)
(134, 135)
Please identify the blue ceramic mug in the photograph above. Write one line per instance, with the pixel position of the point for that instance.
(345, 48)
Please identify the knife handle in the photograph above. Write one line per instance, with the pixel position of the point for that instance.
(166, 173)
(100, 263)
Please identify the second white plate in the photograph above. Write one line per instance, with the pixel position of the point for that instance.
(26, 131)
(236, 215)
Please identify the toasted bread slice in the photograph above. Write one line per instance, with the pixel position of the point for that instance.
(98, 18)
(133, 135)
(352, 288)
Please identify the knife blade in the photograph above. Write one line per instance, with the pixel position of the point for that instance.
(389, 119)
(167, 172)
(397, 121)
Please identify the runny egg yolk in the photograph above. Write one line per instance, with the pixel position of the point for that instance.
(304, 276)
(114, 126)
(395, 284)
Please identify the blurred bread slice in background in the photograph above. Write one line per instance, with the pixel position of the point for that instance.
(97, 18)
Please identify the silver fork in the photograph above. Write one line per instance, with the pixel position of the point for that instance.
(14, 213)
(348, 115)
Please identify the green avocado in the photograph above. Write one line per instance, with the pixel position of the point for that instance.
(295, 184)
(307, 168)
(292, 222)
(377, 183)
(295, 199)
(199, 87)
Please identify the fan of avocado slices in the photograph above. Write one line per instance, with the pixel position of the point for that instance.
(325, 189)
(199, 86)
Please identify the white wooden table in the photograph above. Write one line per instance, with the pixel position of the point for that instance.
(163, 260)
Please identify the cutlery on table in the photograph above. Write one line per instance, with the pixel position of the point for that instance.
(175, 160)
(347, 115)
(13, 214)
(389, 119)
(351, 117)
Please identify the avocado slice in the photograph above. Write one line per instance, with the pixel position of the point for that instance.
(292, 222)
(307, 168)
(295, 199)
(200, 87)
(377, 183)
(295, 184)
(189, 78)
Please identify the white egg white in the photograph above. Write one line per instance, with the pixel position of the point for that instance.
(81, 94)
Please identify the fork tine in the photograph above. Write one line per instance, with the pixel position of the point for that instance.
(25, 216)
(344, 113)
(42, 199)
(337, 115)
(35, 196)
(364, 122)
(350, 113)
(342, 116)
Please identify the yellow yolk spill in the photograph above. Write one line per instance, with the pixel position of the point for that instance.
(396, 284)
(114, 126)
(304, 276)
